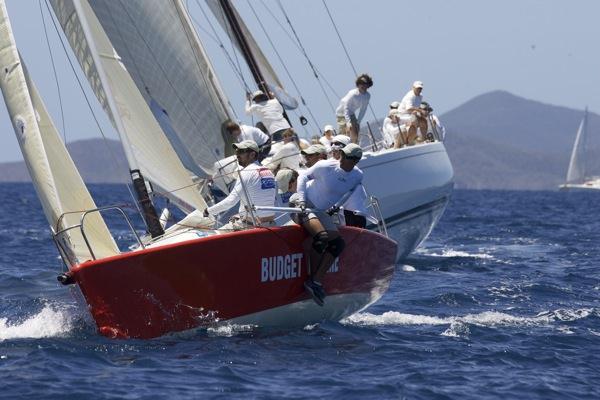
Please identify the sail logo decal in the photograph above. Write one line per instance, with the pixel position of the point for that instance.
(277, 268)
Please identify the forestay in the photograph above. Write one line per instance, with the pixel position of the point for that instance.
(144, 141)
(576, 172)
(54, 175)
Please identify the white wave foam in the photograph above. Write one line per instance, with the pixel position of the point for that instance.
(47, 323)
(450, 253)
(230, 330)
(408, 268)
(484, 319)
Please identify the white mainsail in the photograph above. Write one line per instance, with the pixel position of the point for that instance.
(53, 173)
(576, 172)
(145, 143)
(269, 74)
(160, 49)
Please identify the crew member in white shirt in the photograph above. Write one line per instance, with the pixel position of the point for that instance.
(410, 113)
(240, 133)
(287, 181)
(337, 143)
(260, 187)
(287, 156)
(393, 131)
(328, 134)
(269, 111)
(434, 125)
(313, 154)
(356, 100)
(325, 186)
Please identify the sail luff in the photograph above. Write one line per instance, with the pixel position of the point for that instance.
(114, 112)
(576, 171)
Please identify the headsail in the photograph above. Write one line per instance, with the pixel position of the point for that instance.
(53, 173)
(267, 71)
(160, 49)
(141, 134)
(576, 172)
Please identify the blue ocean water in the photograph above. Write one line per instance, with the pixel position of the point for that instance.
(502, 301)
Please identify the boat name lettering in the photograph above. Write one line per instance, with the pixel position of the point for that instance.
(281, 267)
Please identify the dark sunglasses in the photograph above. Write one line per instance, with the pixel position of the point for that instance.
(353, 158)
(242, 151)
(338, 144)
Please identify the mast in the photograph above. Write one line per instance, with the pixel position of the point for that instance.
(149, 212)
(245, 49)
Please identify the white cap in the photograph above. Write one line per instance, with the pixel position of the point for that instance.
(283, 178)
(258, 93)
(315, 149)
(246, 144)
(343, 139)
(394, 104)
(418, 84)
(327, 128)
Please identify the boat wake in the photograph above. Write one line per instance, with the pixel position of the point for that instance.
(451, 253)
(459, 325)
(48, 322)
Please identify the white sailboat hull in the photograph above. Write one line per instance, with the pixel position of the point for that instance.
(590, 185)
(413, 186)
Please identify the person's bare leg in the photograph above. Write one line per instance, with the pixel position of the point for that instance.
(412, 134)
(353, 134)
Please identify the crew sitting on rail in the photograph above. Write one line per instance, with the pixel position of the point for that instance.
(328, 134)
(410, 113)
(338, 142)
(331, 182)
(287, 155)
(394, 133)
(260, 187)
(314, 153)
(434, 125)
(269, 111)
(240, 133)
(355, 100)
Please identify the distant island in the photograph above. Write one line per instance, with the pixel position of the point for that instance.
(496, 141)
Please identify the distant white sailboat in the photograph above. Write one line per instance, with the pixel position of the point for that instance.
(577, 177)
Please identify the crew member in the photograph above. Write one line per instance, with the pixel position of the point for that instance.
(355, 100)
(314, 153)
(239, 133)
(259, 184)
(270, 113)
(287, 155)
(331, 182)
(328, 134)
(410, 113)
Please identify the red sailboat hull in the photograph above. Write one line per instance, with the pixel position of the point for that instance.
(253, 276)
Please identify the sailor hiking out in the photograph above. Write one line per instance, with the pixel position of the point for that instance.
(324, 187)
(269, 111)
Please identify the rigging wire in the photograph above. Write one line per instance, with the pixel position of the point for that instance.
(87, 100)
(60, 102)
(216, 38)
(349, 58)
(284, 66)
(283, 28)
(303, 50)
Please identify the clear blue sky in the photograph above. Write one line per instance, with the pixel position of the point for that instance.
(542, 50)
